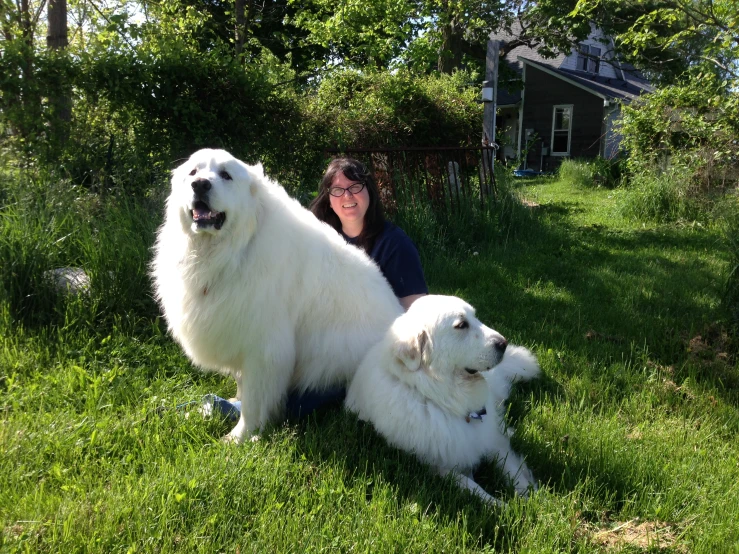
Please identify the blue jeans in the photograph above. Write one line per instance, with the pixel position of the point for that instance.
(303, 404)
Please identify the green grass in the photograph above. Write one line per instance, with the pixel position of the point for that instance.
(632, 430)
(577, 173)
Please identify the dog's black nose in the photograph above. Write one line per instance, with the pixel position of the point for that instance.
(500, 345)
(201, 186)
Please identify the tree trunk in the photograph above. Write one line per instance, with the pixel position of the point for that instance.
(25, 98)
(56, 37)
(452, 44)
(57, 40)
(243, 10)
(240, 30)
(26, 28)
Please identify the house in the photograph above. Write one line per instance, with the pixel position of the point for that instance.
(568, 104)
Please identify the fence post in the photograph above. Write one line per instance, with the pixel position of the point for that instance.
(490, 101)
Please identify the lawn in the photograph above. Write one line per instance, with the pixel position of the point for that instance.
(631, 431)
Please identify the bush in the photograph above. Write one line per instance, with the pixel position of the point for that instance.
(683, 145)
(374, 109)
(694, 125)
(683, 137)
(153, 108)
(608, 173)
(137, 112)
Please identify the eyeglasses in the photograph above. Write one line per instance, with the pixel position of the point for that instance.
(338, 192)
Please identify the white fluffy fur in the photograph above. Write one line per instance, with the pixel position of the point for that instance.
(415, 389)
(274, 298)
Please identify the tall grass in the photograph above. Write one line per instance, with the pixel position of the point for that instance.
(591, 173)
(660, 196)
(47, 224)
(577, 172)
(731, 295)
(469, 228)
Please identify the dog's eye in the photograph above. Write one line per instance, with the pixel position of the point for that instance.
(193, 172)
(461, 324)
(224, 175)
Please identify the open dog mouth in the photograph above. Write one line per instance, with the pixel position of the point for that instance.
(471, 371)
(203, 216)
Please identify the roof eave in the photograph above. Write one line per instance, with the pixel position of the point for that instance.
(563, 78)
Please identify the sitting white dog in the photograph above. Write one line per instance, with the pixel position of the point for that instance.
(435, 386)
(253, 286)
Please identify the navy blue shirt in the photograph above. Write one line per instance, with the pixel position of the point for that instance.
(399, 261)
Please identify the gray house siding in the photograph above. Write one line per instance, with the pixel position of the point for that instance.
(543, 92)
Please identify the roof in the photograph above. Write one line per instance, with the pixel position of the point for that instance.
(506, 98)
(608, 88)
(523, 51)
(625, 89)
(513, 57)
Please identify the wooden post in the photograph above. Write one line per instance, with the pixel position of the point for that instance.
(491, 76)
(490, 107)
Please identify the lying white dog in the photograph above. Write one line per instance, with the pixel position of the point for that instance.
(253, 286)
(435, 386)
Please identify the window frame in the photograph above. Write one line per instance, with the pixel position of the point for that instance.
(569, 130)
(591, 60)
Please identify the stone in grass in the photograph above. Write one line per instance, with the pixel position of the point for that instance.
(69, 280)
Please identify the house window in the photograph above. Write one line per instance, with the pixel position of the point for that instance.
(588, 58)
(561, 130)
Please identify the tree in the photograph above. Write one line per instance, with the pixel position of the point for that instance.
(248, 27)
(240, 27)
(464, 27)
(435, 34)
(20, 102)
(668, 37)
(357, 34)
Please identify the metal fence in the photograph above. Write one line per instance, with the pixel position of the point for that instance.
(444, 177)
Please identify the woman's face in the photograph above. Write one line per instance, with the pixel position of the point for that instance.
(349, 207)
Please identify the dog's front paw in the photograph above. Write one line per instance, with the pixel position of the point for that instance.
(525, 482)
(231, 439)
(489, 499)
(240, 433)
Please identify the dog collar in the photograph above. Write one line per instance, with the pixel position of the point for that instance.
(476, 415)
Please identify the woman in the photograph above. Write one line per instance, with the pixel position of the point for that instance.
(349, 201)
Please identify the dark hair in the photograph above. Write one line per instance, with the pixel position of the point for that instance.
(374, 219)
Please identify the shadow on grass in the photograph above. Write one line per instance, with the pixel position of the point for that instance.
(604, 295)
(366, 456)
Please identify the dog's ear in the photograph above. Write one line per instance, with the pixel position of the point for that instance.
(411, 351)
(256, 174)
(258, 169)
